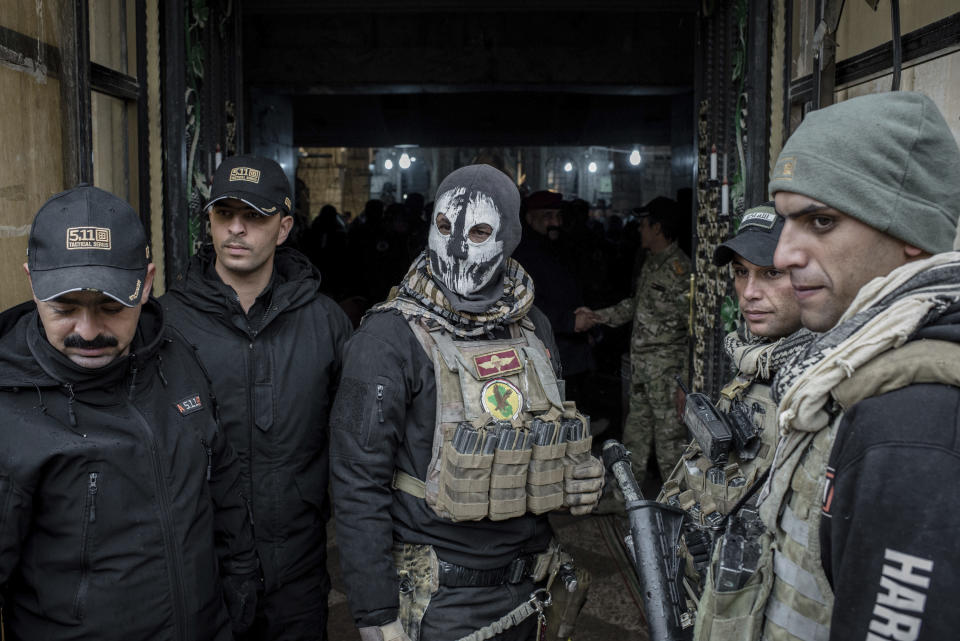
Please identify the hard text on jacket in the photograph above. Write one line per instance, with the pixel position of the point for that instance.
(898, 612)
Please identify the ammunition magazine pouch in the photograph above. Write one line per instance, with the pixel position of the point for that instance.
(464, 482)
(521, 438)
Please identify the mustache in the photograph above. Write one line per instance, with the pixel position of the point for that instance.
(99, 341)
(234, 241)
(555, 228)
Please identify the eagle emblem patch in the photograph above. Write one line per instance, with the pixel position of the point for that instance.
(502, 399)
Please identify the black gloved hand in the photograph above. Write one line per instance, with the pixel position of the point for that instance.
(241, 593)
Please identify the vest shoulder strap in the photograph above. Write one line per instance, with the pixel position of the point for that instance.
(920, 361)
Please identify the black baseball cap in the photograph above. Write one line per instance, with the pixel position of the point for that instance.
(660, 208)
(543, 200)
(756, 238)
(87, 239)
(259, 182)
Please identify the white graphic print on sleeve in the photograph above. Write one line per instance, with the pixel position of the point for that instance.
(901, 599)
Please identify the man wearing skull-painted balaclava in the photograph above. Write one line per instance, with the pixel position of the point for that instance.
(463, 297)
(475, 229)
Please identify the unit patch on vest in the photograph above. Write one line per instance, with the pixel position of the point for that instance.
(497, 363)
(189, 405)
(502, 399)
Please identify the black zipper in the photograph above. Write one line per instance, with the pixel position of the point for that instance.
(209, 452)
(89, 517)
(173, 552)
(251, 428)
(380, 401)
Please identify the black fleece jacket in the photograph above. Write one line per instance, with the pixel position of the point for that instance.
(383, 419)
(889, 536)
(118, 492)
(274, 372)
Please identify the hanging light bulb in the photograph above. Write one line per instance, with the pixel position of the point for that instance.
(635, 157)
(388, 164)
(404, 161)
(568, 167)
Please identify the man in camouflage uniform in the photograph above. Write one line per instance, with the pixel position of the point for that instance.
(659, 309)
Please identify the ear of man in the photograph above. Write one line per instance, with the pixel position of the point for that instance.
(286, 224)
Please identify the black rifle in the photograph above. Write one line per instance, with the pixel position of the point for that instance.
(654, 532)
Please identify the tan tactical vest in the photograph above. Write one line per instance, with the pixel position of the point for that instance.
(483, 383)
(789, 597)
(703, 498)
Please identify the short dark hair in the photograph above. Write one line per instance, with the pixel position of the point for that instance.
(669, 220)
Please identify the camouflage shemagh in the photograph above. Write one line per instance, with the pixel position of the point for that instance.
(419, 296)
(761, 358)
(883, 316)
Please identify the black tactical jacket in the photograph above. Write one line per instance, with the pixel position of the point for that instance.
(274, 371)
(888, 532)
(118, 492)
(384, 419)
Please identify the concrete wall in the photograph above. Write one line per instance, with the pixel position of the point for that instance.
(336, 176)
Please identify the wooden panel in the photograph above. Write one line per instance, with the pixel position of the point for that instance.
(861, 28)
(33, 19)
(31, 157)
(113, 41)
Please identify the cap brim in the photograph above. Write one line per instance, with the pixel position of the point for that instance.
(756, 247)
(262, 205)
(123, 285)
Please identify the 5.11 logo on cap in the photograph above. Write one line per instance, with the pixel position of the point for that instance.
(88, 238)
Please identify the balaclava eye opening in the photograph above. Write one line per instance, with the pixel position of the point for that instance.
(470, 273)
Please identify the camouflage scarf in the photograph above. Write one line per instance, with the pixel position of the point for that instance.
(759, 357)
(419, 296)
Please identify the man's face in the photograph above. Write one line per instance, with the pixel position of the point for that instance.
(90, 328)
(244, 239)
(830, 256)
(649, 231)
(766, 299)
(545, 222)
